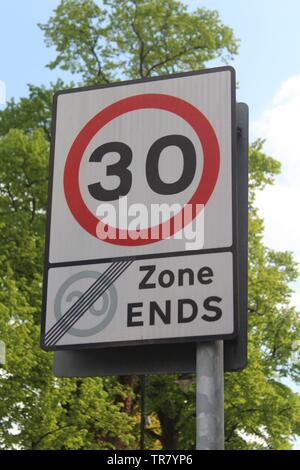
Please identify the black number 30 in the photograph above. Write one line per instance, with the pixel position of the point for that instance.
(154, 180)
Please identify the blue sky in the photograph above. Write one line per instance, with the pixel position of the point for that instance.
(268, 72)
(268, 29)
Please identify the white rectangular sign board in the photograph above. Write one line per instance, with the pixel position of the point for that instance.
(141, 233)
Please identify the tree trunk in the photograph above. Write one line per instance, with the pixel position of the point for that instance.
(169, 434)
(128, 380)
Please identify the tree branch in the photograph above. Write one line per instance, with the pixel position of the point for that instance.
(174, 57)
(141, 41)
(100, 73)
(36, 443)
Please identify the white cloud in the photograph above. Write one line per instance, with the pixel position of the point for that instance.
(2, 92)
(279, 205)
(280, 126)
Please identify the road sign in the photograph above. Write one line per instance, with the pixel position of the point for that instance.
(176, 358)
(141, 244)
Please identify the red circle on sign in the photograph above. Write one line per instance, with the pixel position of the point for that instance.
(211, 165)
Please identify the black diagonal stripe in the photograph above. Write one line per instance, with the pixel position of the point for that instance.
(72, 315)
(79, 302)
(74, 319)
(64, 326)
(88, 299)
(87, 296)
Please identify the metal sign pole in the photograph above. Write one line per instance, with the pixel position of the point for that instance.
(210, 396)
(143, 415)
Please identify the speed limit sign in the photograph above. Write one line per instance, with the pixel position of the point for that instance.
(141, 237)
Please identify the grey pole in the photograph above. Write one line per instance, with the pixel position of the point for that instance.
(143, 415)
(210, 396)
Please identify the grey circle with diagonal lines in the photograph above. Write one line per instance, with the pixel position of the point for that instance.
(109, 307)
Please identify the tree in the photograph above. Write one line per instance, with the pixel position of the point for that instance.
(134, 38)
(31, 113)
(42, 411)
(128, 39)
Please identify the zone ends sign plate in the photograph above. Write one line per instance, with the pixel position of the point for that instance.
(142, 219)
